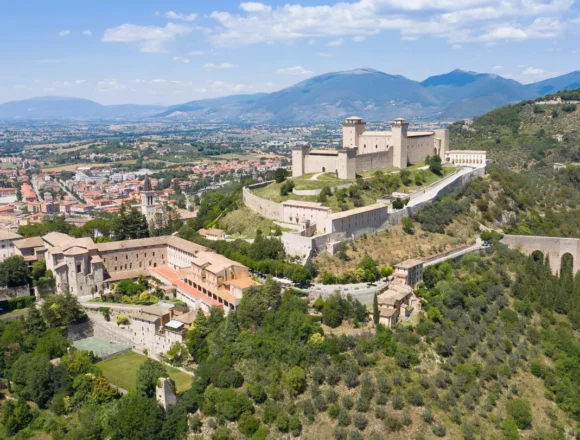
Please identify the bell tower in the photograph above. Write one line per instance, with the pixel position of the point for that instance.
(148, 205)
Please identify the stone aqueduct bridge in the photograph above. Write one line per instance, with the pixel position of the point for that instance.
(553, 247)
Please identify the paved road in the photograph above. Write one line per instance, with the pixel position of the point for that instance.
(63, 186)
(475, 247)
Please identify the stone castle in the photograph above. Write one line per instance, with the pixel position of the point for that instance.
(364, 150)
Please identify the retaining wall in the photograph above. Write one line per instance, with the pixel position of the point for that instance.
(7, 293)
(266, 208)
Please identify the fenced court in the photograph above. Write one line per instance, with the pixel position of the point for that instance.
(102, 348)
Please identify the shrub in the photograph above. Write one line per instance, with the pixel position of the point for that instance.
(427, 415)
(415, 398)
(282, 422)
(295, 425)
(248, 424)
(122, 320)
(380, 413)
(521, 411)
(393, 423)
(295, 380)
(355, 435)
(360, 421)
(347, 402)
(222, 433)
(439, 430)
(408, 225)
(381, 399)
(333, 411)
(509, 429)
(339, 433)
(398, 402)
(343, 417)
(257, 393)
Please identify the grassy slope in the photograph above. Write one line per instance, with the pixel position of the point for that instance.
(394, 245)
(369, 197)
(122, 371)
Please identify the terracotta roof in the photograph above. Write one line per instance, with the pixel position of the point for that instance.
(242, 283)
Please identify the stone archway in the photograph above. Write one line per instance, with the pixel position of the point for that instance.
(537, 256)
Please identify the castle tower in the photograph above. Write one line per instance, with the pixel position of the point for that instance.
(299, 153)
(352, 128)
(399, 137)
(442, 135)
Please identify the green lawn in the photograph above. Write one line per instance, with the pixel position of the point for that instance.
(122, 371)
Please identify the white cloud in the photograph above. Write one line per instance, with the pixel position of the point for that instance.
(195, 53)
(456, 46)
(575, 20)
(181, 59)
(80, 81)
(497, 68)
(533, 71)
(296, 70)
(211, 66)
(359, 38)
(255, 7)
(178, 16)
(87, 33)
(324, 54)
(148, 38)
(532, 74)
(335, 43)
(464, 21)
(64, 33)
(19, 86)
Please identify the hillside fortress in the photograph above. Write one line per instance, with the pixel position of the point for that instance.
(370, 150)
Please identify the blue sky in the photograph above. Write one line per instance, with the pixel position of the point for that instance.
(168, 52)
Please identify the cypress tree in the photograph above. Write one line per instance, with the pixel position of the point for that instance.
(376, 314)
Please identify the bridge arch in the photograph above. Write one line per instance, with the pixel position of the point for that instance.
(554, 248)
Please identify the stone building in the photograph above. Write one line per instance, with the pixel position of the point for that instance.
(200, 277)
(370, 150)
(468, 158)
(399, 300)
(7, 240)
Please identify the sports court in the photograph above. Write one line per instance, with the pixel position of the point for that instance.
(102, 348)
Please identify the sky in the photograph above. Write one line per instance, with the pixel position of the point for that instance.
(170, 52)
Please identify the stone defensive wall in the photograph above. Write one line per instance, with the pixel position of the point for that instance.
(266, 208)
(351, 224)
(552, 247)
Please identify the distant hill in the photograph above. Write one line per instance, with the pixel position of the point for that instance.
(552, 85)
(55, 107)
(366, 92)
(519, 134)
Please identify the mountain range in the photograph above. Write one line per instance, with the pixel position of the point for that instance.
(333, 96)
